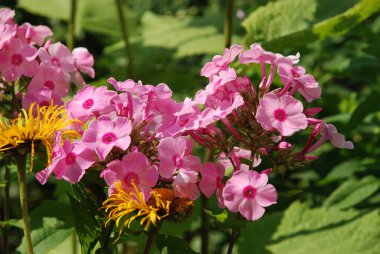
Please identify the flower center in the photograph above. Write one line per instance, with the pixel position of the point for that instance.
(44, 104)
(49, 84)
(55, 62)
(88, 103)
(70, 158)
(109, 138)
(178, 161)
(131, 178)
(17, 59)
(249, 192)
(280, 115)
(295, 74)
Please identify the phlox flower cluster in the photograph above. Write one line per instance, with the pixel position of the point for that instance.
(38, 66)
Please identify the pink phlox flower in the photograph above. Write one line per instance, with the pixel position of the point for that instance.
(290, 60)
(105, 133)
(43, 96)
(51, 78)
(219, 63)
(283, 114)
(16, 59)
(43, 175)
(235, 155)
(6, 33)
(88, 101)
(256, 54)
(217, 81)
(296, 77)
(133, 168)
(6, 15)
(248, 192)
(59, 56)
(185, 184)
(33, 34)
(175, 154)
(212, 180)
(129, 86)
(329, 132)
(84, 61)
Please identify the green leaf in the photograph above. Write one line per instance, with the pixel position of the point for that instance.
(173, 245)
(290, 193)
(343, 170)
(368, 106)
(227, 219)
(353, 192)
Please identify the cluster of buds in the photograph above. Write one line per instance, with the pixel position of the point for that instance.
(41, 68)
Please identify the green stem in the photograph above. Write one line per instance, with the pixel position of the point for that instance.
(234, 234)
(228, 23)
(124, 33)
(153, 233)
(21, 168)
(71, 28)
(6, 210)
(205, 225)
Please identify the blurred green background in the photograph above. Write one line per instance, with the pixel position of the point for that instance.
(329, 206)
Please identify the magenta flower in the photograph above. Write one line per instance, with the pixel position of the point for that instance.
(17, 59)
(59, 56)
(219, 63)
(104, 134)
(212, 180)
(283, 114)
(134, 168)
(247, 192)
(42, 96)
(296, 77)
(88, 101)
(174, 153)
(51, 78)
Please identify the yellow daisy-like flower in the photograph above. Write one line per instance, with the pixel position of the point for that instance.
(130, 206)
(29, 130)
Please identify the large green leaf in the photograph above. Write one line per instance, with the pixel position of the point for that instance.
(98, 16)
(319, 230)
(353, 192)
(292, 23)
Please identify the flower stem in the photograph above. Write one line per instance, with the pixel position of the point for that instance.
(152, 235)
(71, 28)
(234, 234)
(21, 168)
(205, 225)
(6, 210)
(124, 32)
(228, 23)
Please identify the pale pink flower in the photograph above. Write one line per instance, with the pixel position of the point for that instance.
(134, 168)
(16, 59)
(83, 62)
(248, 192)
(88, 101)
(283, 114)
(296, 77)
(33, 34)
(59, 56)
(329, 132)
(185, 184)
(50, 78)
(104, 134)
(219, 63)
(42, 96)
(175, 154)
(234, 157)
(256, 54)
(6, 15)
(6, 33)
(212, 180)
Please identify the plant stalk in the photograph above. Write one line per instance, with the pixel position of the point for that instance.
(71, 28)
(124, 33)
(21, 168)
(234, 234)
(6, 209)
(228, 23)
(152, 235)
(205, 222)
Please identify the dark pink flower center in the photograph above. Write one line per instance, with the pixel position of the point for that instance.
(56, 62)
(17, 59)
(178, 161)
(249, 192)
(280, 114)
(131, 178)
(295, 74)
(70, 158)
(108, 138)
(44, 104)
(88, 103)
(49, 84)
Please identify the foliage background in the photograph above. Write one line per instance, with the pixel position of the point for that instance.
(329, 206)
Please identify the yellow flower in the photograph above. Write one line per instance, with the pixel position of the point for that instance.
(29, 129)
